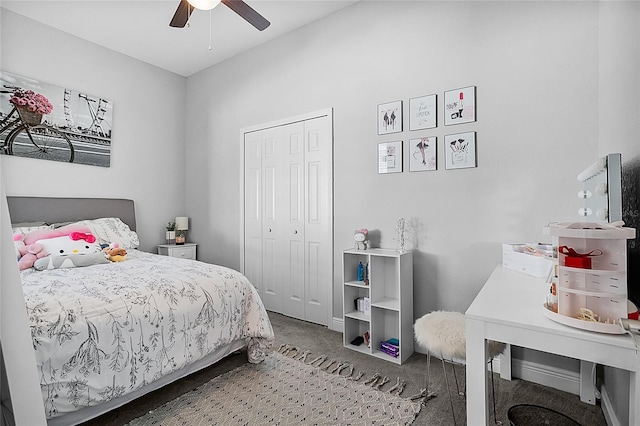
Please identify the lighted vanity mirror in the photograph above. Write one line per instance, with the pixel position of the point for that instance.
(602, 190)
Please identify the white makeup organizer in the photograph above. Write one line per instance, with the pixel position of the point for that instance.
(592, 281)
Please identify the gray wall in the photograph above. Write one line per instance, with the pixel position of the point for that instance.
(147, 152)
(553, 81)
(538, 74)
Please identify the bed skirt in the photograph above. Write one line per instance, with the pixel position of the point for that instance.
(88, 413)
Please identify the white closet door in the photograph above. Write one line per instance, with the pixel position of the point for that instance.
(253, 209)
(272, 217)
(292, 204)
(319, 217)
(288, 212)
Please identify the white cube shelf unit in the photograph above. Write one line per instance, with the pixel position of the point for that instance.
(598, 282)
(390, 291)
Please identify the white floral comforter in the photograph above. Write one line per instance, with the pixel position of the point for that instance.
(102, 331)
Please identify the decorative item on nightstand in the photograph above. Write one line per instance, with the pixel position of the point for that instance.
(170, 235)
(182, 225)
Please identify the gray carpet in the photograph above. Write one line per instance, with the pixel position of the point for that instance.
(319, 340)
(286, 390)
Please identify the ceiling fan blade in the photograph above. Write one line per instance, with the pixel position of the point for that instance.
(247, 12)
(182, 14)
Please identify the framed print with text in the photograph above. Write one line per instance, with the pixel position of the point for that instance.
(460, 150)
(390, 118)
(423, 112)
(390, 157)
(422, 154)
(460, 106)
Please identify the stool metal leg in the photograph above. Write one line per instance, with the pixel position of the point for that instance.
(453, 413)
(453, 367)
(426, 388)
(424, 393)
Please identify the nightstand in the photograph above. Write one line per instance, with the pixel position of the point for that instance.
(185, 251)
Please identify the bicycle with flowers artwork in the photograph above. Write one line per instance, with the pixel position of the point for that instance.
(27, 136)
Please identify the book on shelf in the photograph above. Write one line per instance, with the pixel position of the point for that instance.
(391, 344)
(389, 352)
(389, 349)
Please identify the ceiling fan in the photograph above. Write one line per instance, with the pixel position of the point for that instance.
(185, 8)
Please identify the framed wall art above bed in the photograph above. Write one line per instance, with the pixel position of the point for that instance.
(44, 121)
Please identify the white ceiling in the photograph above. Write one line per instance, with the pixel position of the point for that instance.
(140, 29)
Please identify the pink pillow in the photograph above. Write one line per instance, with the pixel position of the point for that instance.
(43, 234)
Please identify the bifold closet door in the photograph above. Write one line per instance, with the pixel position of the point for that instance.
(274, 216)
(287, 217)
(253, 209)
(318, 181)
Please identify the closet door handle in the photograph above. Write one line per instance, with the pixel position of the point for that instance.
(269, 230)
(295, 231)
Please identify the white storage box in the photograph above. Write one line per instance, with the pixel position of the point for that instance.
(531, 263)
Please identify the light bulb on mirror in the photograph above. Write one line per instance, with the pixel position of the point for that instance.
(601, 188)
(584, 194)
(602, 214)
(585, 211)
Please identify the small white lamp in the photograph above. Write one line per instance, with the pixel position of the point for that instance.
(182, 225)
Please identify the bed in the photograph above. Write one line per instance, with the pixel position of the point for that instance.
(109, 333)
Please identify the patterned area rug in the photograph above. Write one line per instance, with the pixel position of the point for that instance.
(287, 389)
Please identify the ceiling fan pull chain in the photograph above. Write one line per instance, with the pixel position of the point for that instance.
(210, 28)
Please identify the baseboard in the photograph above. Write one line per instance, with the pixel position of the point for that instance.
(337, 325)
(607, 408)
(546, 375)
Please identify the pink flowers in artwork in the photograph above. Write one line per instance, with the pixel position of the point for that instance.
(31, 101)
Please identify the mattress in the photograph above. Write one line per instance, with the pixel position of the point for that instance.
(105, 332)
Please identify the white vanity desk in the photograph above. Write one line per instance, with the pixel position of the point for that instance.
(509, 309)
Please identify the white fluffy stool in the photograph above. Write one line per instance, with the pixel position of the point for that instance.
(443, 334)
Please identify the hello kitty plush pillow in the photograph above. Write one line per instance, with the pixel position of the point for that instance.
(74, 243)
(42, 234)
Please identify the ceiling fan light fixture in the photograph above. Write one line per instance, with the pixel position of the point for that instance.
(204, 4)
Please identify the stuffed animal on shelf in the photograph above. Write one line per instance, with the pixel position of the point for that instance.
(360, 236)
(115, 252)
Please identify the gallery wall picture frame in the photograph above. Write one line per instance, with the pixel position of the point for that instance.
(48, 122)
(390, 118)
(460, 151)
(460, 106)
(390, 157)
(423, 154)
(423, 112)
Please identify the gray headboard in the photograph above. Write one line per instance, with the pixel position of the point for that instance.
(55, 210)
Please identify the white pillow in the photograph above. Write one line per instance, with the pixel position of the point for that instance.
(109, 230)
(25, 228)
